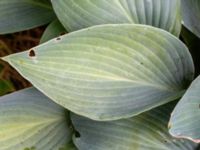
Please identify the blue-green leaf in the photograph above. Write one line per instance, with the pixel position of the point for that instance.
(30, 121)
(18, 15)
(147, 131)
(191, 15)
(78, 14)
(185, 119)
(53, 30)
(109, 72)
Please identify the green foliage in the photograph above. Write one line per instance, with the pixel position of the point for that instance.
(53, 30)
(106, 49)
(78, 14)
(186, 123)
(18, 15)
(120, 61)
(145, 131)
(98, 70)
(30, 121)
(191, 15)
(6, 86)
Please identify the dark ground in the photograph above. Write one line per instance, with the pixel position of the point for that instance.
(13, 43)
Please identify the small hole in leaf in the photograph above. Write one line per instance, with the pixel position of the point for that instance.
(77, 134)
(58, 38)
(32, 53)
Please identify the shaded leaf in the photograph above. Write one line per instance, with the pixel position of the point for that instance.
(69, 146)
(30, 121)
(77, 14)
(193, 43)
(53, 30)
(147, 131)
(5, 87)
(18, 15)
(185, 119)
(109, 72)
(191, 15)
(1, 67)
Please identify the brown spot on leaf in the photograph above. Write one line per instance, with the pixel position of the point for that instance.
(32, 53)
(58, 38)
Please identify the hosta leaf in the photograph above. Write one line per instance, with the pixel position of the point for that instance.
(77, 14)
(30, 121)
(185, 120)
(109, 71)
(147, 131)
(191, 15)
(18, 15)
(53, 30)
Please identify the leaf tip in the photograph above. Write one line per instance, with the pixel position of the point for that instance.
(6, 58)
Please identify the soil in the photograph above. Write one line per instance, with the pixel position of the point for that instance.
(13, 43)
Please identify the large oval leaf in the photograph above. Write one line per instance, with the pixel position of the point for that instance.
(147, 131)
(185, 120)
(18, 15)
(30, 121)
(77, 14)
(191, 15)
(109, 72)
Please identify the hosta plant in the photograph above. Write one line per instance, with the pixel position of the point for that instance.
(107, 75)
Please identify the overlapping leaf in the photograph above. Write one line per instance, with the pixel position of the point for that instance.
(191, 15)
(18, 15)
(147, 131)
(30, 121)
(77, 14)
(109, 72)
(53, 30)
(185, 120)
